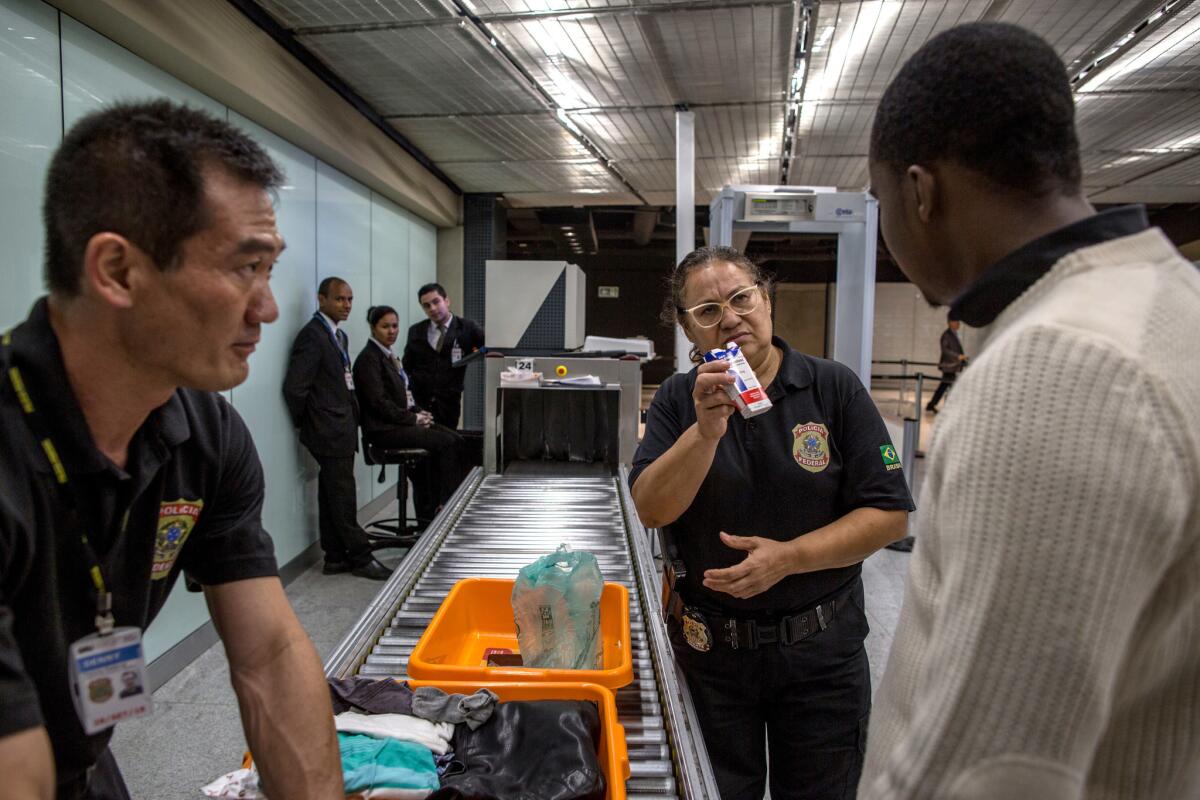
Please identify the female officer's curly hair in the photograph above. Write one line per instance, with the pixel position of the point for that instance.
(673, 308)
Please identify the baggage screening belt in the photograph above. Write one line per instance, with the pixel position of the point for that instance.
(495, 525)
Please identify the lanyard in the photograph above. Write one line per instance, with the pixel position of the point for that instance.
(337, 342)
(37, 425)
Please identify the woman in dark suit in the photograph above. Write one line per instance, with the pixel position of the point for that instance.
(390, 418)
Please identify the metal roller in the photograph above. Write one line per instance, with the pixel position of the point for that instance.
(492, 527)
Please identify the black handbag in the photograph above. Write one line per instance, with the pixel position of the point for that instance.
(533, 750)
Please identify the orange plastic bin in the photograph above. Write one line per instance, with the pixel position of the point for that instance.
(477, 614)
(613, 752)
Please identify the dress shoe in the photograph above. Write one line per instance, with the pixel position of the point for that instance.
(373, 570)
(334, 567)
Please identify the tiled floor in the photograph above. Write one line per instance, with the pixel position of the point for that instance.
(196, 734)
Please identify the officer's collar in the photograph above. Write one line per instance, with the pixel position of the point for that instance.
(37, 352)
(794, 369)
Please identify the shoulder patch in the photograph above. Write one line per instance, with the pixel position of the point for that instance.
(890, 460)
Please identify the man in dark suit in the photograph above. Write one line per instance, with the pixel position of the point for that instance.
(319, 390)
(950, 362)
(432, 353)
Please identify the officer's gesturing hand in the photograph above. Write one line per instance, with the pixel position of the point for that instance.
(767, 562)
(713, 404)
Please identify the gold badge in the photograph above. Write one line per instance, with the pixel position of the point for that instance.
(811, 446)
(100, 690)
(176, 518)
(696, 632)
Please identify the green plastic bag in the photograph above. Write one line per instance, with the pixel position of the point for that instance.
(556, 604)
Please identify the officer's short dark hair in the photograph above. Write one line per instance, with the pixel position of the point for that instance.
(326, 286)
(431, 287)
(991, 97)
(137, 169)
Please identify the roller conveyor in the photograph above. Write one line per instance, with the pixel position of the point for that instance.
(492, 527)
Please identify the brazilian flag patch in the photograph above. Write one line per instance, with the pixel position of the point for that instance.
(890, 460)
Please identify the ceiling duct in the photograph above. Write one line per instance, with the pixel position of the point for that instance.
(644, 223)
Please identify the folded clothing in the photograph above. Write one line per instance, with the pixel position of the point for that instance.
(544, 749)
(372, 766)
(431, 703)
(383, 696)
(433, 735)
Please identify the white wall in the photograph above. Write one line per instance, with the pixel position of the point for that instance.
(906, 327)
(332, 224)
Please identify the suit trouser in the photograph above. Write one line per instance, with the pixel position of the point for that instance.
(446, 407)
(342, 538)
(436, 478)
(943, 387)
(811, 699)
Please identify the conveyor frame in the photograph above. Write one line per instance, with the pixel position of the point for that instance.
(689, 773)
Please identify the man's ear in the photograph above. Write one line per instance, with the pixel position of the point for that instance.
(111, 264)
(921, 184)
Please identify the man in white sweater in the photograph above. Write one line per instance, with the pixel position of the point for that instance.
(1049, 645)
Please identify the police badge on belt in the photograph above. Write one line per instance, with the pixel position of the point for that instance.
(696, 631)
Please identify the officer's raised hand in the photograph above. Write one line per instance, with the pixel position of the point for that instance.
(713, 404)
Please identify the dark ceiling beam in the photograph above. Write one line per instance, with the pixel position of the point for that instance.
(1137, 22)
(285, 39)
(529, 16)
(587, 110)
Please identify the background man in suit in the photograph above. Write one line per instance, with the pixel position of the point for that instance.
(950, 362)
(319, 389)
(432, 351)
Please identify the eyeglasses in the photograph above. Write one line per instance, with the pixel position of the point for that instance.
(742, 302)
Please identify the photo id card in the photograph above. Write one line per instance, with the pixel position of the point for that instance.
(108, 679)
(349, 380)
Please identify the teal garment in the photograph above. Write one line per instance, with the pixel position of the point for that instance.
(371, 763)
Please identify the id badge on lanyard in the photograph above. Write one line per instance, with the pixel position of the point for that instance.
(108, 679)
(349, 379)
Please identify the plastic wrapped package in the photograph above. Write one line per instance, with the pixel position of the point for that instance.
(556, 605)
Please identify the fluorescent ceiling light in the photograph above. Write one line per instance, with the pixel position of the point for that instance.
(850, 43)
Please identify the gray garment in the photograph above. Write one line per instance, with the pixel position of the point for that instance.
(431, 703)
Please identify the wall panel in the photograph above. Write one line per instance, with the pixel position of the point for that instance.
(30, 129)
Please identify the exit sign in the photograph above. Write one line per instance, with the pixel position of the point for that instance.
(608, 291)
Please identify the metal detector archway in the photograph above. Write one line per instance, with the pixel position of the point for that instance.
(852, 216)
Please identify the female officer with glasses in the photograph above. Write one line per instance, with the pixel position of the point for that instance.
(771, 518)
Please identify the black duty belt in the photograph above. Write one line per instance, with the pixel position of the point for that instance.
(750, 634)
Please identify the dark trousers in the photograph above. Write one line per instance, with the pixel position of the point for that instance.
(342, 538)
(943, 388)
(105, 781)
(811, 699)
(436, 478)
(446, 406)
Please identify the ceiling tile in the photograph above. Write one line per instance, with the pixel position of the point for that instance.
(711, 55)
(437, 70)
(844, 172)
(584, 176)
(311, 13)
(506, 137)
(745, 131)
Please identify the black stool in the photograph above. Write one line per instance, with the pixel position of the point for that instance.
(399, 531)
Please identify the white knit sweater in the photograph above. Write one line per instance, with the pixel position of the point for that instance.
(1049, 645)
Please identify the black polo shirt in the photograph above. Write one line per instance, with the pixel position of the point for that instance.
(1008, 278)
(819, 453)
(189, 499)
